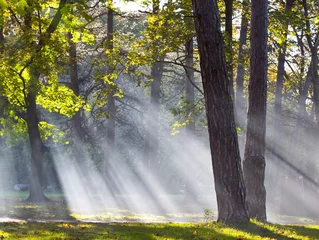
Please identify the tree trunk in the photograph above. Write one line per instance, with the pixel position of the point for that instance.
(229, 186)
(190, 192)
(151, 137)
(76, 120)
(240, 68)
(229, 44)
(111, 108)
(37, 152)
(278, 96)
(254, 162)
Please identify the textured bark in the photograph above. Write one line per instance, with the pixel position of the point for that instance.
(254, 161)
(229, 184)
(240, 68)
(278, 94)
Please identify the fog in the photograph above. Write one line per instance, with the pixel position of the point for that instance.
(175, 184)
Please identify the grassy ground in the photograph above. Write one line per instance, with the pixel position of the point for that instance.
(140, 231)
(55, 221)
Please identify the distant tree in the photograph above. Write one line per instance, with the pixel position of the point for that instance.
(229, 185)
(254, 160)
(239, 99)
(151, 137)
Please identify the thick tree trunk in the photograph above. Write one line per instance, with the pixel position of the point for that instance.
(240, 68)
(37, 152)
(254, 162)
(229, 186)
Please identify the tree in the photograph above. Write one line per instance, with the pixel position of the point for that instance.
(23, 67)
(254, 160)
(151, 137)
(229, 183)
(239, 100)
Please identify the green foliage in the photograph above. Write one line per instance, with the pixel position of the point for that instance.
(28, 67)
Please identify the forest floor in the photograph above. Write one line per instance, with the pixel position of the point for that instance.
(20, 220)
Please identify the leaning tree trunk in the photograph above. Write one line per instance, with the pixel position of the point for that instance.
(254, 162)
(37, 152)
(229, 186)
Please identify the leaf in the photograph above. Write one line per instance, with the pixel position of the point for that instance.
(3, 4)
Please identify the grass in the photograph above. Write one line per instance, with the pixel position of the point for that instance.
(167, 231)
(54, 221)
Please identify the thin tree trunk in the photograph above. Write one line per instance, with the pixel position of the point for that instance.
(76, 120)
(151, 137)
(190, 192)
(111, 109)
(278, 95)
(254, 162)
(229, 185)
(240, 68)
(229, 44)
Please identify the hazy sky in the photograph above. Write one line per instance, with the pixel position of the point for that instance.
(128, 6)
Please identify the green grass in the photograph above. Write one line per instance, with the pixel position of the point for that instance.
(140, 231)
(55, 221)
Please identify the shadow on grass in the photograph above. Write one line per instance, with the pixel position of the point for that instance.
(263, 230)
(278, 231)
(306, 231)
(17, 208)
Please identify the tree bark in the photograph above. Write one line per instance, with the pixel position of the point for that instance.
(229, 186)
(240, 68)
(254, 162)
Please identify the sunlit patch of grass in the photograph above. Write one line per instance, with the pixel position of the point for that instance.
(160, 231)
(29, 207)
